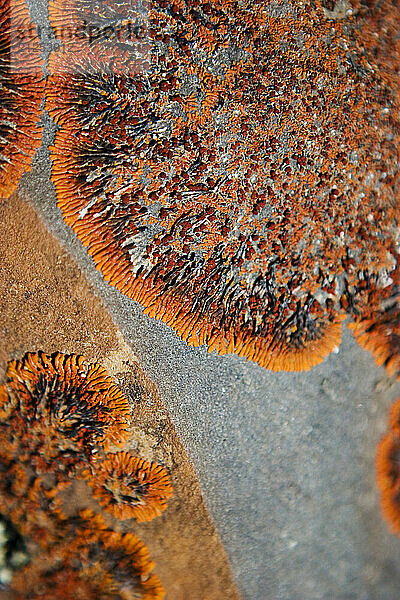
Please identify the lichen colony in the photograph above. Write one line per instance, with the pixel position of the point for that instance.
(234, 169)
(58, 416)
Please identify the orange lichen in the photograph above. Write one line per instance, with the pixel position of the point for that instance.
(388, 470)
(122, 555)
(394, 416)
(79, 402)
(241, 175)
(89, 561)
(55, 411)
(381, 336)
(60, 584)
(129, 487)
(21, 92)
(377, 325)
(57, 415)
(388, 477)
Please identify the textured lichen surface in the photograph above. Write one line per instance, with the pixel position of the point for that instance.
(21, 92)
(58, 415)
(379, 330)
(130, 487)
(84, 559)
(235, 169)
(79, 401)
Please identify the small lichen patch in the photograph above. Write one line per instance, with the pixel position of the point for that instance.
(130, 487)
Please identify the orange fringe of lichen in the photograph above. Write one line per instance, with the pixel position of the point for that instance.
(388, 478)
(394, 416)
(194, 328)
(381, 336)
(352, 237)
(129, 487)
(21, 92)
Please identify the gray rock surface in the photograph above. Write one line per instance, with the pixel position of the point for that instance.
(285, 460)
